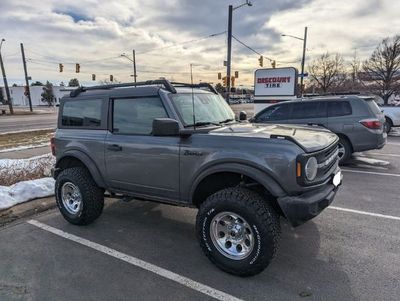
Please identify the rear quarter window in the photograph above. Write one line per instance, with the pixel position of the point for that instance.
(373, 107)
(82, 113)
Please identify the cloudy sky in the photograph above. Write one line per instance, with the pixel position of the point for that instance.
(170, 35)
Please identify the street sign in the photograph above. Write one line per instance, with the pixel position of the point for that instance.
(303, 74)
(275, 82)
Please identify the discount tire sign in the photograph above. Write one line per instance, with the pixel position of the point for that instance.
(275, 82)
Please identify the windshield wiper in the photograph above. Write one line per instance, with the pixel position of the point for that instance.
(203, 123)
(226, 120)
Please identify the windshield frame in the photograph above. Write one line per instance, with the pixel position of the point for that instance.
(189, 95)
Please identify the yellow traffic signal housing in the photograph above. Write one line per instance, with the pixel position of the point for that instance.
(219, 75)
(273, 64)
(111, 78)
(61, 67)
(93, 76)
(77, 68)
(261, 61)
(236, 74)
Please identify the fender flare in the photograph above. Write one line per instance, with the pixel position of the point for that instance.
(256, 174)
(88, 162)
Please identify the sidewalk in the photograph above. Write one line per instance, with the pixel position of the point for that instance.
(26, 153)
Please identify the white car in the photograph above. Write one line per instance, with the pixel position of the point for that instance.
(392, 112)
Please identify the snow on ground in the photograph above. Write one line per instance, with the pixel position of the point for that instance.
(16, 170)
(395, 132)
(25, 191)
(23, 147)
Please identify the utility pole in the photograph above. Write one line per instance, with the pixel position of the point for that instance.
(26, 77)
(228, 64)
(303, 61)
(134, 65)
(5, 82)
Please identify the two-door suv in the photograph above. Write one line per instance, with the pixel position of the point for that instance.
(180, 144)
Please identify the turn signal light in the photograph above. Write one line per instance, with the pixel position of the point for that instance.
(298, 169)
(373, 124)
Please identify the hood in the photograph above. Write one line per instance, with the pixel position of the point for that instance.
(309, 138)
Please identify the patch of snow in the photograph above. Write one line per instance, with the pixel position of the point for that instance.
(26, 164)
(23, 147)
(395, 132)
(370, 161)
(27, 131)
(25, 191)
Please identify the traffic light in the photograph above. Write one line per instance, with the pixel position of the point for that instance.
(111, 78)
(273, 64)
(232, 81)
(224, 81)
(261, 61)
(77, 68)
(236, 74)
(219, 75)
(61, 67)
(93, 76)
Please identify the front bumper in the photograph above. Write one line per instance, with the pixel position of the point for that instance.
(301, 208)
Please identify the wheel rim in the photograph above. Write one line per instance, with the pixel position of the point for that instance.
(71, 198)
(232, 235)
(341, 151)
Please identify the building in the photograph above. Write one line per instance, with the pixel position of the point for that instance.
(19, 99)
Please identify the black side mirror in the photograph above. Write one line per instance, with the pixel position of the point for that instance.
(165, 127)
(242, 116)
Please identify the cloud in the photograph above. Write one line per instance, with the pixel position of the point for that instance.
(95, 32)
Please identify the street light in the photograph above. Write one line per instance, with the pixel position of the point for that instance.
(5, 80)
(304, 55)
(133, 61)
(229, 55)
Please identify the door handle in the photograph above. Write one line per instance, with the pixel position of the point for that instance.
(114, 147)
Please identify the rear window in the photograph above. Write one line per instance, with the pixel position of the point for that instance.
(82, 113)
(373, 107)
(339, 108)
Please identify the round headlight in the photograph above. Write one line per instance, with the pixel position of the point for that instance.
(311, 168)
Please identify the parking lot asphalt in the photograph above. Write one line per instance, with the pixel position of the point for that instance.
(148, 251)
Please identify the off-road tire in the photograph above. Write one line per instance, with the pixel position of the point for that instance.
(92, 195)
(260, 216)
(348, 150)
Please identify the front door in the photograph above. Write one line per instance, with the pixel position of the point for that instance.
(135, 160)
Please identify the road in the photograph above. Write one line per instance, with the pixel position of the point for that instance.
(141, 250)
(27, 122)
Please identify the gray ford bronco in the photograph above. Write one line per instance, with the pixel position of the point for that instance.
(180, 144)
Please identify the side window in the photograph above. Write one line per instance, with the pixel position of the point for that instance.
(339, 108)
(306, 110)
(82, 113)
(135, 116)
(281, 112)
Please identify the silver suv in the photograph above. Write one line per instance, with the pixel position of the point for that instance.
(358, 122)
(180, 144)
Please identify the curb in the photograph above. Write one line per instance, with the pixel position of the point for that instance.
(26, 209)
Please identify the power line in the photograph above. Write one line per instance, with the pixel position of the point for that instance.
(248, 47)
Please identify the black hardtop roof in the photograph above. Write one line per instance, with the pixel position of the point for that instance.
(147, 88)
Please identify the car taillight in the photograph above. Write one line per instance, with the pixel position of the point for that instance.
(373, 124)
(53, 146)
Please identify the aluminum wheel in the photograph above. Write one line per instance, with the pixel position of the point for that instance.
(71, 198)
(341, 151)
(232, 235)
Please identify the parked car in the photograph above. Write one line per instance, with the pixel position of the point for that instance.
(141, 140)
(358, 122)
(392, 112)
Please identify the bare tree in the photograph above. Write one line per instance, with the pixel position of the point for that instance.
(327, 71)
(382, 69)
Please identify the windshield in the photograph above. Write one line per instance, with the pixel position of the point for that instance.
(209, 108)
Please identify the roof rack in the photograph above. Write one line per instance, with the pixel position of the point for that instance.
(200, 85)
(167, 85)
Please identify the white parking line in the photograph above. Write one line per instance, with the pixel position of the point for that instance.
(372, 173)
(397, 218)
(197, 286)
